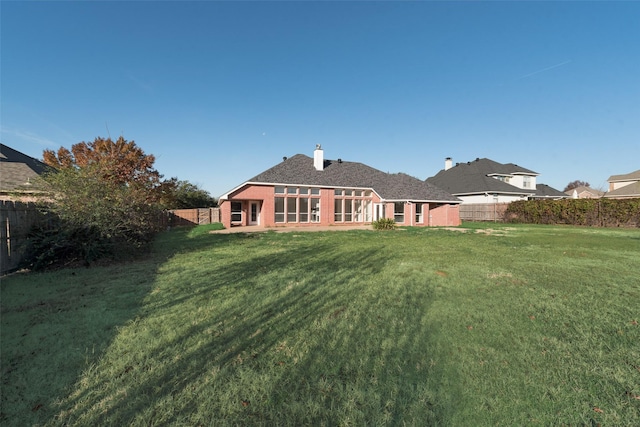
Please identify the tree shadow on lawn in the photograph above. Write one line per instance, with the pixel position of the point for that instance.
(56, 324)
(297, 335)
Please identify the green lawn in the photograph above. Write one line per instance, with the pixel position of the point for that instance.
(491, 325)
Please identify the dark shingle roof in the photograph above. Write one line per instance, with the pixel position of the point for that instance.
(17, 169)
(299, 170)
(473, 177)
(545, 191)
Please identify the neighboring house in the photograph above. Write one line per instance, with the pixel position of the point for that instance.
(543, 191)
(584, 192)
(486, 181)
(624, 186)
(17, 172)
(302, 191)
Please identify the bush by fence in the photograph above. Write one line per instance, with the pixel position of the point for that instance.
(590, 212)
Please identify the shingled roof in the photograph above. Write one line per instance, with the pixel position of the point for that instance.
(476, 177)
(300, 171)
(17, 169)
(544, 191)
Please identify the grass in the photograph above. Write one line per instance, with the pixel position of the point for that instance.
(491, 325)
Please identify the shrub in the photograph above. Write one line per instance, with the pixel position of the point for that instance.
(384, 224)
(585, 212)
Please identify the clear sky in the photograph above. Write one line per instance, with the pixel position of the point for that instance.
(221, 91)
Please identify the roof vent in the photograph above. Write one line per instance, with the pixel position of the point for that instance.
(284, 158)
(339, 160)
(477, 159)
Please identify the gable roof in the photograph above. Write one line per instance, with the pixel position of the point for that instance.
(581, 189)
(633, 176)
(631, 190)
(476, 177)
(300, 171)
(545, 191)
(17, 169)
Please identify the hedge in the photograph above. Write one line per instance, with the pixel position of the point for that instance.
(588, 212)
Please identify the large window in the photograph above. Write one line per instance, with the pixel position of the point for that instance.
(352, 205)
(398, 212)
(295, 205)
(526, 182)
(236, 211)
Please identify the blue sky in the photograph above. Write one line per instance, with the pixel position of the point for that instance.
(220, 91)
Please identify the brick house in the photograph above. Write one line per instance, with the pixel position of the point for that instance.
(305, 191)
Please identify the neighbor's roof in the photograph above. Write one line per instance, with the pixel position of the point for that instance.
(476, 177)
(17, 170)
(633, 176)
(631, 190)
(545, 191)
(299, 170)
(581, 189)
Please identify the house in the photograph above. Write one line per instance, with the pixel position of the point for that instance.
(624, 186)
(17, 172)
(544, 191)
(486, 181)
(303, 191)
(584, 192)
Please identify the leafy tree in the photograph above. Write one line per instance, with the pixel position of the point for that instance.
(106, 195)
(185, 195)
(575, 184)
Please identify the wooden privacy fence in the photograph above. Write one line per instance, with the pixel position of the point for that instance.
(198, 216)
(483, 211)
(16, 220)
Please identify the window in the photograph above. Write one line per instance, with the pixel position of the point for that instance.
(337, 192)
(419, 217)
(357, 210)
(367, 210)
(398, 212)
(279, 190)
(292, 190)
(236, 211)
(304, 209)
(526, 182)
(337, 210)
(304, 190)
(358, 193)
(315, 191)
(348, 210)
(292, 209)
(315, 210)
(348, 192)
(279, 208)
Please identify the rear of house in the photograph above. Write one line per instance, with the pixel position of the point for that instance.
(305, 191)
